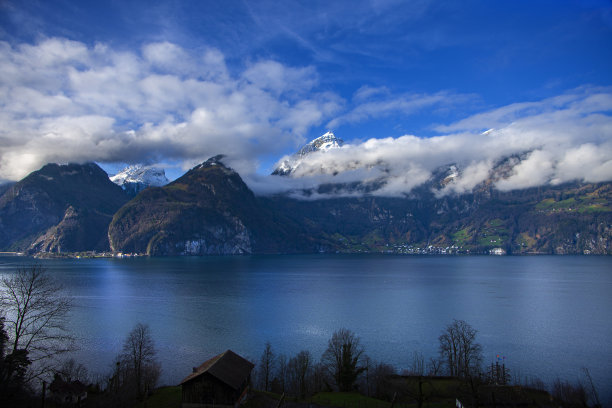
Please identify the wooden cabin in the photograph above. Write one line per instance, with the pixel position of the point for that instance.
(222, 381)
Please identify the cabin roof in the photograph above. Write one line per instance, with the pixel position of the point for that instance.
(227, 367)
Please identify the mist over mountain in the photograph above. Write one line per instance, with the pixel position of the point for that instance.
(541, 149)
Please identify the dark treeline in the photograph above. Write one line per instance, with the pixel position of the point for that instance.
(345, 367)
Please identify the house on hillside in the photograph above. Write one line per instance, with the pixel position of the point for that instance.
(222, 381)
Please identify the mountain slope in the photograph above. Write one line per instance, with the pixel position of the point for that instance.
(59, 208)
(207, 211)
(5, 186)
(568, 219)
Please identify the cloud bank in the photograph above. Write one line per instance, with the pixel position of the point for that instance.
(64, 101)
(556, 140)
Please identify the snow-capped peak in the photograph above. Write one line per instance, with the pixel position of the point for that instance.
(324, 142)
(138, 177)
(452, 173)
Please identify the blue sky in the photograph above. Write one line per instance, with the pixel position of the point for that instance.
(175, 82)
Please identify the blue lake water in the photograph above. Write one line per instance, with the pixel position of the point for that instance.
(548, 315)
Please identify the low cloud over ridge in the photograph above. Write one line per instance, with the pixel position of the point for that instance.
(559, 139)
(66, 101)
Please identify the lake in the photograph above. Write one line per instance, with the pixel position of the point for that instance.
(548, 315)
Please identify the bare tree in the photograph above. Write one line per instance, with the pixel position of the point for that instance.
(379, 374)
(367, 365)
(570, 394)
(281, 374)
(594, 394)
(417, 366)
(139, 359)
(73, 371)
(319, 379)
(459, 349)
(343, 359)
(449, 349)
(434, 366)
(300, 368)
(36, 311)
(266, 366)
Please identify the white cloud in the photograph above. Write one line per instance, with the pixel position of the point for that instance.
(64, 101)
(472, 175)
(585, 162)
(372, 103)
(168, 58)
(534, 171)
(367, 92)
(277, 78)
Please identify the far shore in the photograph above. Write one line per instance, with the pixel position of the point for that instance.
(413, 252)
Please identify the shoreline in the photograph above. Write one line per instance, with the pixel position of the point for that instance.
(435, 251)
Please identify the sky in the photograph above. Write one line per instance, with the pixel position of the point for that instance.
(408, 85)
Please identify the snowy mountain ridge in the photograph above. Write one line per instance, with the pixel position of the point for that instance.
(324, 142)
(136, 178)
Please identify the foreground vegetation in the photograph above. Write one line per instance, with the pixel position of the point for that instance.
(346, 377)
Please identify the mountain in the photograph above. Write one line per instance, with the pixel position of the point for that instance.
(211, 211)
(448, 215)
(207, 211)
(322, 143)
(134, 179)
(5, 186)
(568, 219)
(59, 208)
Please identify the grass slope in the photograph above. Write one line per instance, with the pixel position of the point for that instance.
(163, 397)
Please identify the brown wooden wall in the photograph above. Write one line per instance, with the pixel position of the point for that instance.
(206, 389)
